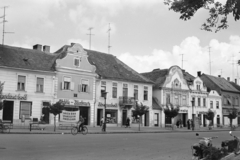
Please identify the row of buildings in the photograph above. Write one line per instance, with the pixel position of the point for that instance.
(35, 78)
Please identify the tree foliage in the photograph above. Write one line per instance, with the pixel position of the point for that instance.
(232, 114)
(171, 111)
(1, 89)
(210, 115)
(139, 110)
(218, 12)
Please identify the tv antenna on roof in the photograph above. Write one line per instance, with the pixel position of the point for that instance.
(90, 34)
(109, 29)
(182, 59)
(4, 21)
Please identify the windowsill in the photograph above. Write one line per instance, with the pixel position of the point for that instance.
(85, 92)
(21, 91)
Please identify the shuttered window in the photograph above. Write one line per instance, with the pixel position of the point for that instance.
(40, 84)
(25, 109)
(21, 83)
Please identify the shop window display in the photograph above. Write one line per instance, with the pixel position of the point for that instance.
(111, 116)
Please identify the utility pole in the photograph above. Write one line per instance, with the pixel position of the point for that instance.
(90, 34)
(4, 21)
(109, 29)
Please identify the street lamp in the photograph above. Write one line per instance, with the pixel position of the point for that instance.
(104, 94)
(192, 115)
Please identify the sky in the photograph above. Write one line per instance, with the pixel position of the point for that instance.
(145, 35)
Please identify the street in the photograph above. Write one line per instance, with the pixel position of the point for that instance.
(144, 146)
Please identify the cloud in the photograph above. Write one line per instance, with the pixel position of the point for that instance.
(195, 57)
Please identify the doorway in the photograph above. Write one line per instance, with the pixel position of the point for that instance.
(84, 112)
(184, 119)
(146, 120)
(124, 117)
(99, 116)
(8, 111)
(204, 120)
(156, 119)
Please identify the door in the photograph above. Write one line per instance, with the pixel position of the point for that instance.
(99, 116)
(204, 120)
(184, 119)
(146, 120)
(8, 111)
(124, 117)
(156, 119)
(85, 114)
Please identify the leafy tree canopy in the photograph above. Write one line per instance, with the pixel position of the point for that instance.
(210, 115)
(171, 111)
(233, 113)
(218, 12)
(56, 108)
(139, 110)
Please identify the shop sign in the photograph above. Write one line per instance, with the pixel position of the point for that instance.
(183, 111)
(11, 96)
(100, 104)
(74, 102)
(69, 116)
(202, 112)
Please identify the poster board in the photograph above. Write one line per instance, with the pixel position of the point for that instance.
(69, 116)
(196, 123)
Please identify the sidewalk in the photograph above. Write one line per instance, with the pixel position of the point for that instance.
(49, 129)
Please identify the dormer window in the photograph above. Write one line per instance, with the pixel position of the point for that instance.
(77, 62)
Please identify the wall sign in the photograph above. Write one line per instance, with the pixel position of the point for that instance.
(69, 116)
(74, 102)
(11, 96)
(183, 111)
(100, 104)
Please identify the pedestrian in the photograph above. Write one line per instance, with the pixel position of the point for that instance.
(180, 123)
(128, 123)
(177, 124)
(101, 121)
(188, 123)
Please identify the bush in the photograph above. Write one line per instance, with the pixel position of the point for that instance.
(214, 153)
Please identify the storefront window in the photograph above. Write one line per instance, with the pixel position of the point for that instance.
(111, 116)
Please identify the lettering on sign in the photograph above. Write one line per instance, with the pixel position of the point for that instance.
(183, 111)
(10, 96)
(69, 116)
(100, 104)
(74, 102)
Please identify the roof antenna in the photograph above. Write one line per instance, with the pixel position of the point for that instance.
(4, 16)
(90, 34)
(182, 59)
(210, 62)
(109, 29)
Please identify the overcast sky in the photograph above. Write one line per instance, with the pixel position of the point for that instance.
(144, 33)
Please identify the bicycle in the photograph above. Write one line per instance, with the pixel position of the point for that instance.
(83, 130)
(4, 128)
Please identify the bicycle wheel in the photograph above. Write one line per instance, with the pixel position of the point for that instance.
(6, 129)
(84, 130)
(74, 130)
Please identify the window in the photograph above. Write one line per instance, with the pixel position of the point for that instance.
(114, 90)
(103, 88)
(233, 100)
(125, 90)
(217, 104)
(184, 100)
(84, 86)
(21, 83)
(198, 87)
(199, 101)
(111, 116)
(211, 104)
(145, 94)
(135, 94)
(77, 62)
(225, 100)
(176, 99)
(167, 98)
(236, 101)
(204, 102)
(66, 83)
(193, 103)
(25, 109)
(40, 84)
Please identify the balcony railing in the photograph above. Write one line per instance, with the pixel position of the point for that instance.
(126, 101)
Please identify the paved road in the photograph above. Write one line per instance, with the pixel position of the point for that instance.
(149, 146)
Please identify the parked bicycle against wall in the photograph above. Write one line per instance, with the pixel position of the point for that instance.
(75, 130)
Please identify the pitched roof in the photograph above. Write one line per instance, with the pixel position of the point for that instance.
(109, 67)
(222, 83)
(26, 58)
(159, 76)
(235, 85)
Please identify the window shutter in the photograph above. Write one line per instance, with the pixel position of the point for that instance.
(72, 86)
(88, 89)
(79, 88)
(62, 85)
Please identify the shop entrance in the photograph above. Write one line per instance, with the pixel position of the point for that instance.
(124, 117)
(84, 112)
(99, 116)
(8, 111)
(184, 119)
(156, 119)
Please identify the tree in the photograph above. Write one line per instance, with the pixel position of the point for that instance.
(56, 109)
(218, 12)
(171, 111)
(209, 116)
(138, 111)
(1, 89)
(233, 113)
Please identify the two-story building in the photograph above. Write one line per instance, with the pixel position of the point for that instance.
(229, 94)
(28, 76)
(171, 86)
(124, 86)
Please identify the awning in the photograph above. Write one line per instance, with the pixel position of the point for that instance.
(155, 104)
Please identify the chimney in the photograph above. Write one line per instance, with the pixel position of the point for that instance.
(46, 49)
(219, 76)
(228, 78)
(37, 47)
(199, 73)
(235, 81)
(157, 69)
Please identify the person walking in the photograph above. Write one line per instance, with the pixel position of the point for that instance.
(128, 123)
(188, 123)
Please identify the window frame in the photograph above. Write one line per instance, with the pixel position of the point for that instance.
(63, 85)
(103, 86)
(42, 85)
(125, 90)
(25, 82)
(114, 89)
(79, 60)
(87, 86)
(30, 110)
(135, 92)
(145, 90)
